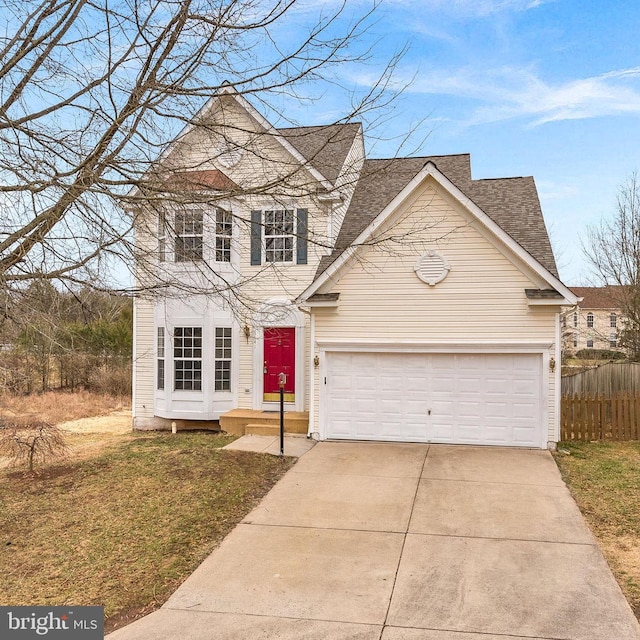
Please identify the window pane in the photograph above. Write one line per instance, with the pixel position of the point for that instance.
(189, 240)
(187, 353)
(223, 350)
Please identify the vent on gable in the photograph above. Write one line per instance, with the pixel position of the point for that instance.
(432, 267)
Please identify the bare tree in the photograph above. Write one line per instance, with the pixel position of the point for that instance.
(92, 93)
(32, 443)
(613, 251)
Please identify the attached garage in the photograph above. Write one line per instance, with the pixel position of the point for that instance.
(461, 398)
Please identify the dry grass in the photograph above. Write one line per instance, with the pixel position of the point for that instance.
(60, 406)
(123, 529)
(604, 479)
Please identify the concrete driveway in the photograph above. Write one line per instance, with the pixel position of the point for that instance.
(404, 542)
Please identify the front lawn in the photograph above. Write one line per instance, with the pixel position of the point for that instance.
(123, 529)
(604, 479)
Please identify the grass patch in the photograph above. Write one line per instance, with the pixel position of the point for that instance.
(604, 479)
(125, 528)
(56, 407)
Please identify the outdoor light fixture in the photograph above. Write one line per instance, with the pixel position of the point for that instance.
(552, 365)
(316, 362)
(247, 331)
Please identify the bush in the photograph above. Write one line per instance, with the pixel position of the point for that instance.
(600, 354)
(31, 443)
(113, 379)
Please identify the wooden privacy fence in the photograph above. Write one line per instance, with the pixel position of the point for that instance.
(600, 417)
(615, 377)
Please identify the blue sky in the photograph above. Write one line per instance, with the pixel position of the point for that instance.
(548, 88)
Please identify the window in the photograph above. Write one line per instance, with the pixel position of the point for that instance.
(575, 319)
(589, 344)
(613, 321)
(613, 340)
(188, 236)
(279, 235)
(575, 339)
(222, 380)
(187, 358)
(590, 320)
(224, 230)
(162, 237)
(160, 358)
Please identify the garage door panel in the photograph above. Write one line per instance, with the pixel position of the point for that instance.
(448, 398)
(497, 411)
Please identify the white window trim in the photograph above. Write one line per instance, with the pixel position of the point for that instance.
(217, 359)
(216, 235)
(293, 235)
(209, 235)
(163, 358)
(189, 211)
(201, 359)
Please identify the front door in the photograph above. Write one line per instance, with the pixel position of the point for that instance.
(279, 357)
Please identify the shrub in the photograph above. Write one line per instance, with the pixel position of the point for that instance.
(113, 379)
(32, 443)
(600, 354)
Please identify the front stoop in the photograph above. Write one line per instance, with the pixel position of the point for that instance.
(265, 423)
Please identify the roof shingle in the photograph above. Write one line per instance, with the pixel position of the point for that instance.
(324, 147)
(510, 202)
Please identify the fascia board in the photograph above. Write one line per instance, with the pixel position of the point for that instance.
(430, 169)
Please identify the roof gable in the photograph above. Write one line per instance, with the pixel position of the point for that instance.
(388, 187)
(324, 147)
(510, 202)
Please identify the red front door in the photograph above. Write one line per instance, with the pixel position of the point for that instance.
(279, 357)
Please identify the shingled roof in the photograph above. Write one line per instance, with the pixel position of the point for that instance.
(512, 203)
(324, 147)
(600, 297)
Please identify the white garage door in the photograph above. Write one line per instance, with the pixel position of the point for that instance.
(448, 398)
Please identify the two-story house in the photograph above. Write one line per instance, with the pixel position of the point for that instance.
(596, 321)
(402, 299)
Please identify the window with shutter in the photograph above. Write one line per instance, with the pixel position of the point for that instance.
(279, 236)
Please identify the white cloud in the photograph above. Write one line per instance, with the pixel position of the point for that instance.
(456, 8)
(480, 8)
(507, 92)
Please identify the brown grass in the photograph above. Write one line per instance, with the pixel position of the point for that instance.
(124, 528)
(60, 406)
(604, 479)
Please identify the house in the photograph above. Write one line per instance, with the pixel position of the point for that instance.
(595, 322)
(403, 300)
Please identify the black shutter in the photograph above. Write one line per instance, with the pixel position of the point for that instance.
(302, 230)
(256, 237)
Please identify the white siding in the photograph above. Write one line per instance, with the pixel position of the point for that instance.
(143, 359)
(481, 301)
(263, 159)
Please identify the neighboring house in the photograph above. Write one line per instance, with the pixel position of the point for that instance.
(595, 322)
(404, 300)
